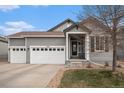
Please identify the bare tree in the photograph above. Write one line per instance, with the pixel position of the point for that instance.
(112, 16)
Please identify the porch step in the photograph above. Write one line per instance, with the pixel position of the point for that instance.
(76, 64)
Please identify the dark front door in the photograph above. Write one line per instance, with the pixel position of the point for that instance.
(74, 48)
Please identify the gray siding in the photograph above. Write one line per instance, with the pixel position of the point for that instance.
(46, 41)
(62, 27)
(17, 42)
(101, 57)
(3, 50)
(43, 42)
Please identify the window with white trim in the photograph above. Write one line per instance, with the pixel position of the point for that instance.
(99, 43)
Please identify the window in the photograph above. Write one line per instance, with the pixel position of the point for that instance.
(13, 49)
(50, 49)
(54, 49)
(33, 49)
(42, 49)
(17, 49)
(99, 43)
(62, 49)
(92, 43)
(58, 49)
(106, 44)
(37, 49)
(21, 49)
(46, 49)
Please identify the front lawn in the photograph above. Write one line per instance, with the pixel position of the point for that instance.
(92, 78)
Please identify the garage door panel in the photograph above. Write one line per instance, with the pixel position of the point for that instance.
(48, 55)
(17, 55)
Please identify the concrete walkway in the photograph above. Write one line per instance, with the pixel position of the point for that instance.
(26, 75)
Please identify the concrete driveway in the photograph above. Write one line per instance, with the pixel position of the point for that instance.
(26, 75)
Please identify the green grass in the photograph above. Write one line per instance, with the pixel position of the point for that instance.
(92, 78)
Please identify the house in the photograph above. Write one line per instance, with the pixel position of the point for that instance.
(3, 48)
(68, 41)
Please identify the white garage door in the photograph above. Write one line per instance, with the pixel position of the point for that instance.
(47, 55)
(17, 54)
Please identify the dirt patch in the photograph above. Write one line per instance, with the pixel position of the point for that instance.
(54, 83)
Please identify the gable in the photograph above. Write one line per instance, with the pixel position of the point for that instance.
(62, 26)
(94, 25)
(77, 28)
(95, 29)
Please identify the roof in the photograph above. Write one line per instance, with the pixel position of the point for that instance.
(95, 21)
(67, 20)
(36, 34)
(3, 39)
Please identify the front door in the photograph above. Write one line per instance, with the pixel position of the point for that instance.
(74, 48)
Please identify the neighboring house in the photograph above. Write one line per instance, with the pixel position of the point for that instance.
(3, 48)
(66, 42)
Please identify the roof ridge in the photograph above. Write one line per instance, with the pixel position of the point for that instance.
(68, 19)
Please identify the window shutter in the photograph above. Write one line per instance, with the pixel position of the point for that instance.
(106, 44)
(92, 44)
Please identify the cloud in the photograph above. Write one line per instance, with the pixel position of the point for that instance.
(17, 26)
(6, 8)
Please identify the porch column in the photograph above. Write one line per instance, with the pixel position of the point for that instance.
(87, 47)
(66, 46)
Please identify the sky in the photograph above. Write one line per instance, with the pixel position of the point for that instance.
(14, 18)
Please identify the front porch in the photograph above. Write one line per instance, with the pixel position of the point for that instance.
(77, 46)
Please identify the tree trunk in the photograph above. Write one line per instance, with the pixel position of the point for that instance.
(114, 51)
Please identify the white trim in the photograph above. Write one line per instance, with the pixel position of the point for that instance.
(87, 49)
(17, 47)
(67, 47)
(23, 36)
(42, 36)
(46, 46)
(8, 50)
(76, 32)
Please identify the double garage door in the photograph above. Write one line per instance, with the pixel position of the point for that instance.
(38, 54)
(47, 55)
